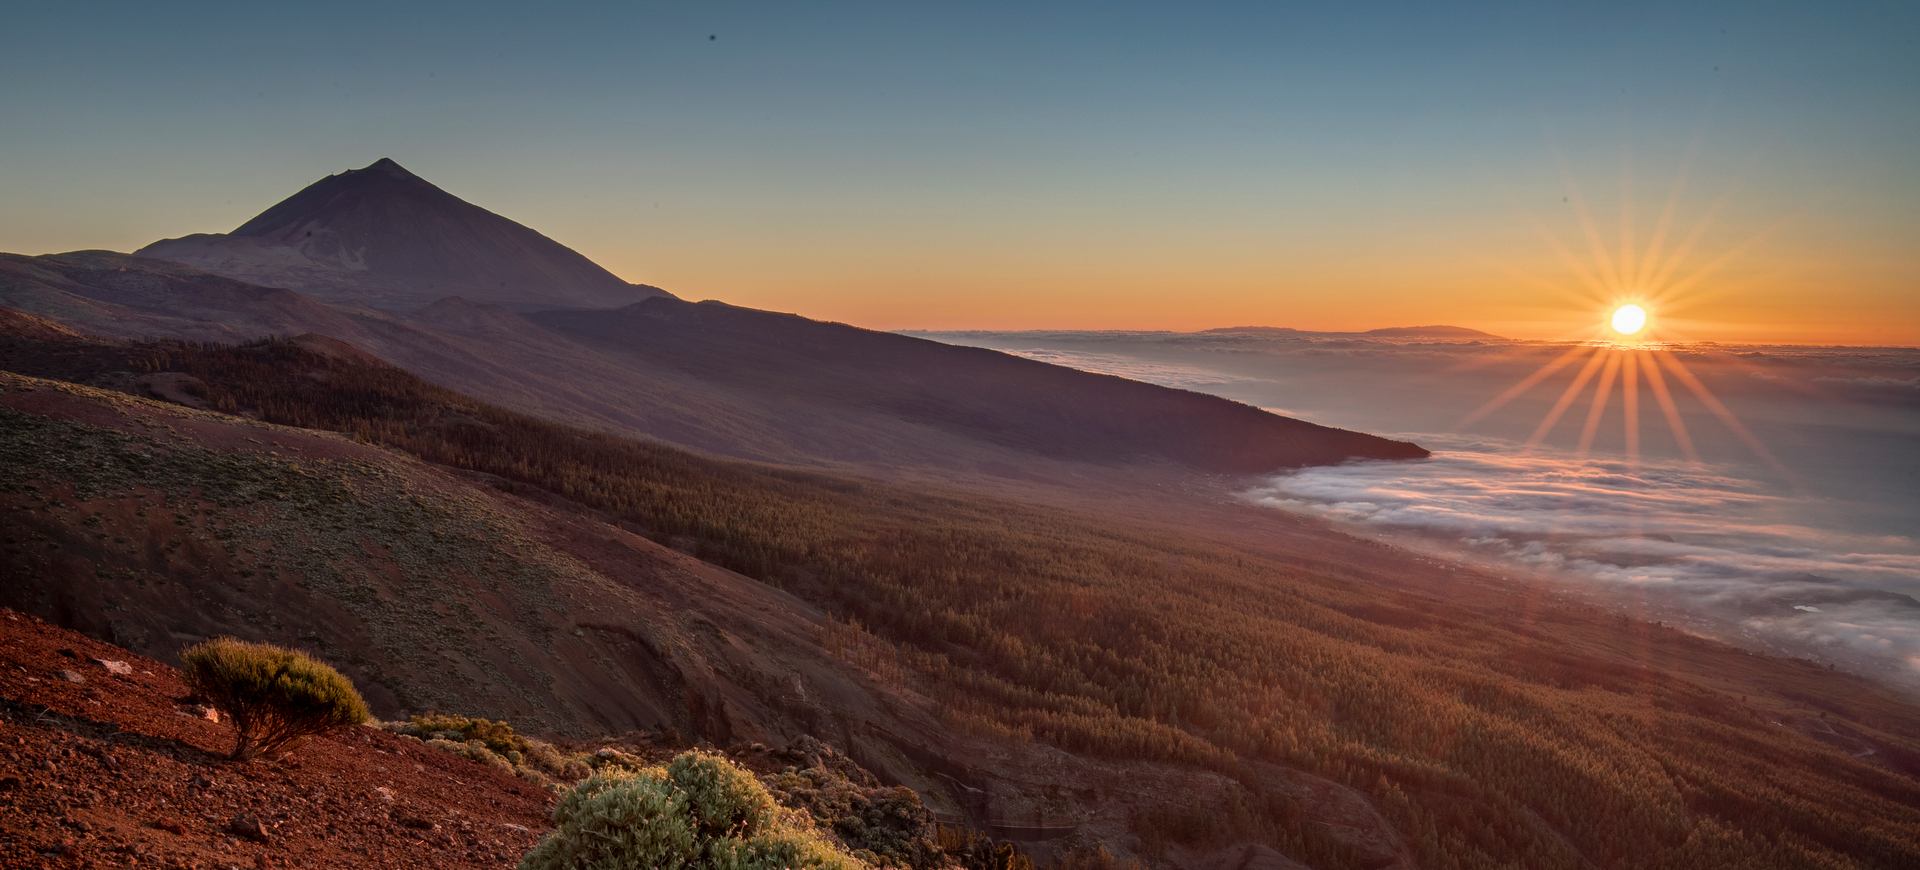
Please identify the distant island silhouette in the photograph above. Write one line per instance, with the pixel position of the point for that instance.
(1388, 332)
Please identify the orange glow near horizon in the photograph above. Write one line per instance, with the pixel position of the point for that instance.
(1626, 286)
(1755, 302)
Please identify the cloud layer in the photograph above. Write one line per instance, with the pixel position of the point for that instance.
(1672, 532)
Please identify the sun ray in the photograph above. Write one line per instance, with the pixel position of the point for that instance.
(1672, 412)
(1685, 249)
(1566, 398)
(1635, 281)
(1630, 404)
(1598, 409)
(1587, 226)
(1804, 388)
(1719, 410)
(1596, 283)
(1627, 270)
(1526, 384)
(1716, 264)
(1657, 244)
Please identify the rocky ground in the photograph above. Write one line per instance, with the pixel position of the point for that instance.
(103, 764)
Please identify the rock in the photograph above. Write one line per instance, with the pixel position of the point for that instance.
(114, 667)
(70, 653)
(386, 794)
(247, 826)
(72, 677)
(170, 826)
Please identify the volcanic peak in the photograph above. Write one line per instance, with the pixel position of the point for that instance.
(385, 235)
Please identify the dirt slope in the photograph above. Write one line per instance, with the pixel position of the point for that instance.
(110, 770)
(154, 525)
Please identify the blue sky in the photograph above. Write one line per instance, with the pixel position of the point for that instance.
(998, 165)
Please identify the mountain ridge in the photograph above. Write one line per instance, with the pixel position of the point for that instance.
(990, 395)
(715, 377)
(392, 239)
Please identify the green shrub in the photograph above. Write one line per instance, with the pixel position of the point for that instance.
(698, 813)
(723, 800)
(276, 697)
(498, 736)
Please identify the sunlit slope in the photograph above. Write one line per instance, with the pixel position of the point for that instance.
(1492, 725)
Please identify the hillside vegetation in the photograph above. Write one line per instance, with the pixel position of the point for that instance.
(1493, 729)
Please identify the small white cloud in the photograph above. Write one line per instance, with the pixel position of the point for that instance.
(1166, 375)
(1912, 383)
(1807, 607)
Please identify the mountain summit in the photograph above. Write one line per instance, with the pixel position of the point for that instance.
(392, 239)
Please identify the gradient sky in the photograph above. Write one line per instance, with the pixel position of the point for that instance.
(986, 165)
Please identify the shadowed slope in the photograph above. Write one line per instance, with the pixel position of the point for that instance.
(388, 237)
(982, 394)
(733, 381)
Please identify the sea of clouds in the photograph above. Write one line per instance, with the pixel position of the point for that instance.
(1670, 532)
(1808, 548)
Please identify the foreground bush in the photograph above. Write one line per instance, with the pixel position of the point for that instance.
(276, 697)
(698, 813)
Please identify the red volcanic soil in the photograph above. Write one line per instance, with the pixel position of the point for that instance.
(116, 770)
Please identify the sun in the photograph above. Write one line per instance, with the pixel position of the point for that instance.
(1629, 319)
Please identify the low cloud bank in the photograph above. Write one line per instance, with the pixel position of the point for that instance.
(1693, 536)
(1164, 374)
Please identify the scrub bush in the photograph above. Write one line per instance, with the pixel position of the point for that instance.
(698, 813)
(498, 736)
(276, 697)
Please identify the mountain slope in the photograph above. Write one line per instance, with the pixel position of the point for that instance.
(1177, 688)
(732, 381)
(986, 395)
(481, 349)
(387, 237)
(152, 526)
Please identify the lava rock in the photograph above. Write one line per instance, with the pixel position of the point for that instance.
(114, 667)
(247, 826)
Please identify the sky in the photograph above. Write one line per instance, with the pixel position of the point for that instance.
(1336, 166)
